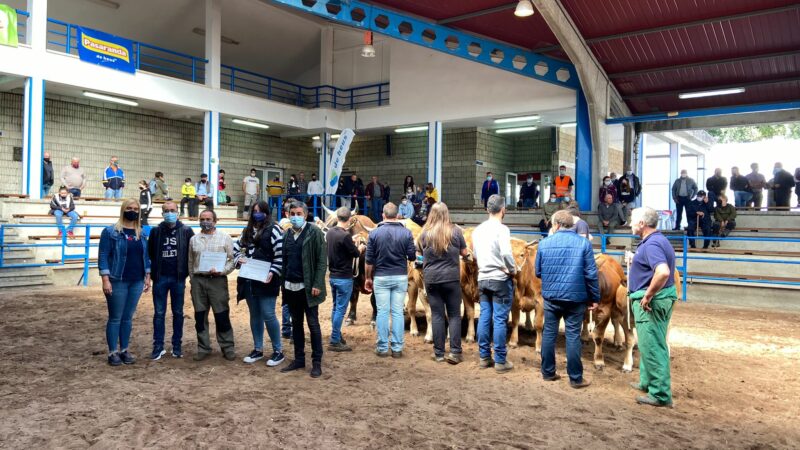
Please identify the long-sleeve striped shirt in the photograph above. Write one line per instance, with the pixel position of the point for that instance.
(275, 239)
(216, 242)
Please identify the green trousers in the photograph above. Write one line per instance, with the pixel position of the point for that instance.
(212, 293)
(651, 327)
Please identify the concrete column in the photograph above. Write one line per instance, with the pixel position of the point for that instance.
(640, 146)
(584, 156)
(33, 138)
(628, 151)
(435, 156)
(674, 173)
(324, 158)
(211, 149)
(326, 56)
(213, 43)
(36, 28)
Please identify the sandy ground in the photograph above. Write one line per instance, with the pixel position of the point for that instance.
(736, 378)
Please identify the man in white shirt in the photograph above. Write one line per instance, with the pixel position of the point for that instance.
(315, 189)
(491, 245)
(250, 187)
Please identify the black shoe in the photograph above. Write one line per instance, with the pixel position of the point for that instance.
(255, 355)
(454, 358)
(584, 383)
(126, 357)
(339, 347)
(275, 359)
(397, 355)
(381, 354)
(294, 365)
(316, 370)
(114, 359)
(555, 377)
(157, 354)
(230, 356)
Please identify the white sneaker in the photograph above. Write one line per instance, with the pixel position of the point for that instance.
(254, 356)
(275, 359)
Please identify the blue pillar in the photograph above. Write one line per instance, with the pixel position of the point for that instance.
(435, 156)
(674, 159)
(211, 149)
(33, 138)
(583, 154)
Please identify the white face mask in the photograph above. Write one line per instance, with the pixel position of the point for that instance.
(607, 182)
(530, 180)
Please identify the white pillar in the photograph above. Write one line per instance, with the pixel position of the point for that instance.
(36, 28)
(674, 160)
(33, 138)
(213, 42)
(211, 149)
(324, 157)
(326, 56)
(435, 156)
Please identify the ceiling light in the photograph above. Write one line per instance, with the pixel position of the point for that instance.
(517, 119)
(411, 129)
(568, 124)
(514, 130)
(686, 95)
(251, 124)
(524, 8)
(335, 136)
(224, 39)
(106, 3)
(109, 98)
(368, 50)
(316, 138)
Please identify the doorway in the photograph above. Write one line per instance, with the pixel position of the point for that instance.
(512, 189)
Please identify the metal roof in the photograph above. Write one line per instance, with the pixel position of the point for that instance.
(655, 49)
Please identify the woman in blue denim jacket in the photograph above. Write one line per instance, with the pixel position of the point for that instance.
(125, 269)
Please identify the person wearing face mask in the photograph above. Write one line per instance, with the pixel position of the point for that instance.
(188, 196)
(782, 185)
(251, 186)
(627, 196)
(73, 178)
(158, 187)
(549, 209)
(315, 190)
(124, 266)
(683, 189)
(489, 188)
(261, 240)
(222, 197)
(292, 188)
(406, 210)
(563, 185)
(168, 249)
(529, 193)
(210, 288)
(700, 213)
(204, 192)
(113, 179)
(306, 262)
(47, 175)
(145, 202)
(608, 188)
(62, 205)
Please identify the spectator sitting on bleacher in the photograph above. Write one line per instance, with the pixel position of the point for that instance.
(627, 196)
(406, 210)
(204, 192)
(158, 187)
(73, 178)
(549, 209)
(699, 214)
(608, 188)
(62, 205)
(609, 216)
(724, 219)
(188, 196)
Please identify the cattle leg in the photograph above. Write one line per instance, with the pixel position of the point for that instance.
(585, 336)
(351, 315)
(411, 307)
(374, 310)
(469, 313)
(428, 317)
(528, 322)
(514, 341)
(601, 318)
(619, 334)
(627, 364)
(539, 324)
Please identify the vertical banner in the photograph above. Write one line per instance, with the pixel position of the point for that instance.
(337, 160)
(105, 50)
(8, 26)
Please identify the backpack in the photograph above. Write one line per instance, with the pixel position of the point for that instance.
(153, 186)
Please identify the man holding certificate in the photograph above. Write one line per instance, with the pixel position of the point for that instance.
(210, 261)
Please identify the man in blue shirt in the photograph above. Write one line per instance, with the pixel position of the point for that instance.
(651, 281)
(204, 192)
(490, 187)
(565, 263)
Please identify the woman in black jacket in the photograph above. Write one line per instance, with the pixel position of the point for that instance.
(262, 240)
(146, 202)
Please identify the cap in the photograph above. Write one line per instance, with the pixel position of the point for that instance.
(701, 193)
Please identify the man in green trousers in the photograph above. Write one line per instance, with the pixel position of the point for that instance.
(651, 281)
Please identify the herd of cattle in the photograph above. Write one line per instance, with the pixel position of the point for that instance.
(528, 299)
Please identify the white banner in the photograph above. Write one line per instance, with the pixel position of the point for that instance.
(337, 160)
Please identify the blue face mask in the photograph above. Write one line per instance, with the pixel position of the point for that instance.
(297, 221)
(259, 216)
(170, 217)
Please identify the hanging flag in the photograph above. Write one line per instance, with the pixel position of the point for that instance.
(337, 160)
(106, 50)
(8, 26)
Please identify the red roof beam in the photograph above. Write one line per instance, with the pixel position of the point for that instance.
(745, 84)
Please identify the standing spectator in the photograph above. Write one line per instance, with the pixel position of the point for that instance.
(210, 288)
(315, 189)
(608, 188)
(158, 187)
(73, 178)
(342, 250)
(614, 181)
(355, 190)
(47, 175)
(406, 210)
(651, 281)
(168, 250)
(782, 186)
(292, 188)
(741, 188)
(302, 185)
(610, 216)
(757, 184)
(387, 192)
(489, 188)
(261, 240)
(724, 219)
(341, 193)
(565, 263)
(549, 209)
(408, 183)
(145, 202)
(491, 245)
(204, 192)
(683, 190)
(699, 214)
(563, 185)
(440, 244)
(188, 196)
(389, 248)
(375, 198)
(431, 192)
(627, 196)
(113, 179)
(797, 185)
(222, 196)
(529, 194)
(251, 186)
(125, 270)
(304, 285)
(716, 185)
(62, 205)
(633, 182)
(275, 190)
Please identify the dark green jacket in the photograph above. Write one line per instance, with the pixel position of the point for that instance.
(723, 213)
(315, 262)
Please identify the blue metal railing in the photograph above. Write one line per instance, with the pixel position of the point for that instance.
(22, 24)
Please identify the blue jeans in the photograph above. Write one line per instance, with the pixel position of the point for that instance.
(528, 203)
(121, 307)
(286, 320)
(73, 219)
(572, 313)
(46, 190)
(376, 209)
(175, 288)
(341, 290)
(262, 313)
(390, 294)
(113, 193)
(496, 298)
(741, 198)
(75, 192)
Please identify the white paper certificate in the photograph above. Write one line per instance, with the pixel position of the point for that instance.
(254, 269)
(212, 260)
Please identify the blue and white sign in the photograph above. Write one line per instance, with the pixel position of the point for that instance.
(105, 49)
(337, 160)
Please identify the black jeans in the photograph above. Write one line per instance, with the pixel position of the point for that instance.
(705, 228)
(298, 306)
(192, 206)
(681, 203)
(440, 296)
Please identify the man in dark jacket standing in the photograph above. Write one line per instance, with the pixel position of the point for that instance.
(375, 196)
(341, 253)
(489, 188)
(168, 248)
(565, 263)
(716, 185)
(305, 263)
(529, 193)
(47, 175)
(782, 186)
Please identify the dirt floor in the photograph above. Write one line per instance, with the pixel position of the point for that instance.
(736, 379)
